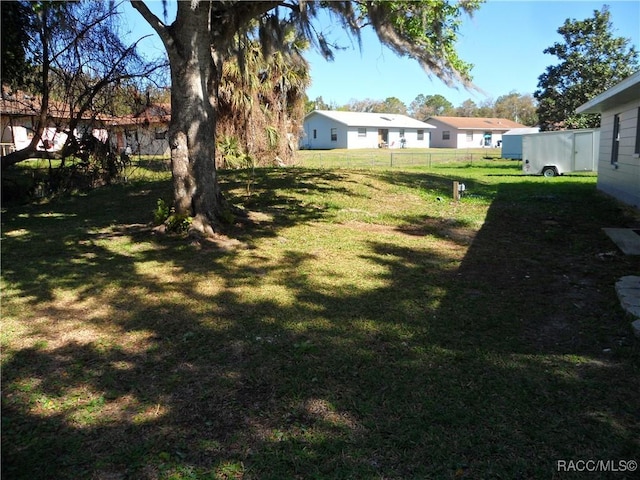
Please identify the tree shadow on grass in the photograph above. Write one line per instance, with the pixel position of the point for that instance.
(174, 362)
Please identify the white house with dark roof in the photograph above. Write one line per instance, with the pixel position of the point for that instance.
(469, 132)
(328, 129)
(619, 154)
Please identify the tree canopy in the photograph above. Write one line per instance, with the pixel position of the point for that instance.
(425, 106)
(199, 41)
(16, 66)
(261, 102)
(591, 60)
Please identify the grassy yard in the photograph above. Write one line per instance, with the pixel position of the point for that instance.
(395, 157)
(362, 325)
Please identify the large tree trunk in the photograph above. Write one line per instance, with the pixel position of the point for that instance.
(194, 76)
(195, 72)
(196, 43)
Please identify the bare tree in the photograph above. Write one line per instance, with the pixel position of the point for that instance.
(80, 59)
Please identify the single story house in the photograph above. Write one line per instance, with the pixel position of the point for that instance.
(470, 132)
(145, 133)
(328, 129)
(142, 134)
(619, 153)
(20, 112)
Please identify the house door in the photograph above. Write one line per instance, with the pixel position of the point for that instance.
(486, 139)
(383, 137)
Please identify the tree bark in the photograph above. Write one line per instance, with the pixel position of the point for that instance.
(194, 80)
(194, 42)
(193, 118)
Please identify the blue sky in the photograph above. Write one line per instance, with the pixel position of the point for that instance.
(504, 40)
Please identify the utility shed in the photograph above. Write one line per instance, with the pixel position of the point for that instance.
(512, 142)
(328, 129)
(619, 153)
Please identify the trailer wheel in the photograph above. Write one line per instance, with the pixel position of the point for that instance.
(549, 172)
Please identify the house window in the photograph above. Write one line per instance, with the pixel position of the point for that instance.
(315, 133)
(446, 134)
(362, 132)
(334, 134)
(615, 144)
(420, 134)
(470, 136)
(637, 149)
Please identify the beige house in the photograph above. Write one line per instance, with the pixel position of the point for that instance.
(619, 154)
(19, 113)
(142, 134)
(469, 132)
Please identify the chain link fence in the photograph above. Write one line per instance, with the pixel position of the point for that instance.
(385, 158)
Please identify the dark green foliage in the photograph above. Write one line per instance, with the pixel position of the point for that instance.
(591, 60)
(425, 106)
(174, 222)
(15, 67)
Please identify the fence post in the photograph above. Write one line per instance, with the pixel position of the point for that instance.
(456, 192)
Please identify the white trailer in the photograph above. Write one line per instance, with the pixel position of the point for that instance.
(557, 153)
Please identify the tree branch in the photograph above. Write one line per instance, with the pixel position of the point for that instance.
(157, 24)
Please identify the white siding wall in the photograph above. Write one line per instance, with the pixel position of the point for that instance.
(150, 145)
(368, 141)
(322, 127)
(622, 180)
(437, 140)
(411, 136)
(474, 142)
(458, 137)
(477, 138)
(394, 139)
(349, 137)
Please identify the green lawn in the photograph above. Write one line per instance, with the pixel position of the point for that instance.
(396, 157)
(363, 325)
